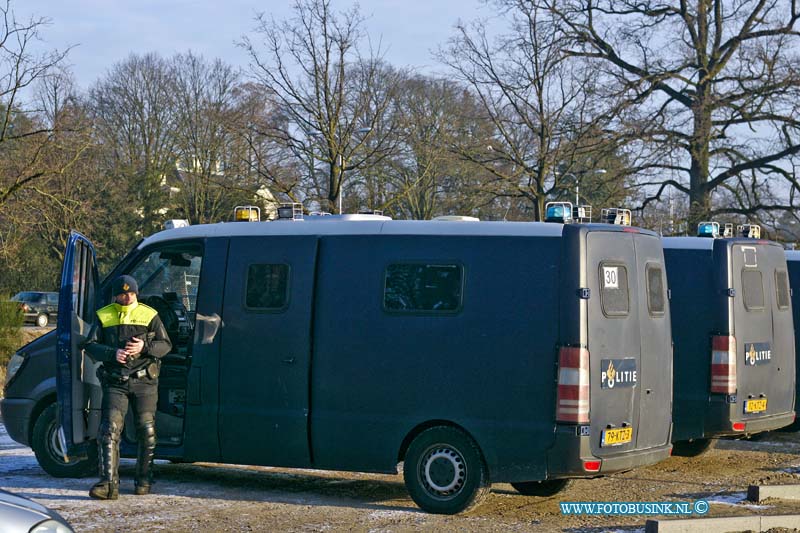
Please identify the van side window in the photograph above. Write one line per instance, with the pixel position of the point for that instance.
(782, 288)
(753, 289)
(267, 286)
(422, 287)
(655, 290)
(614, 289)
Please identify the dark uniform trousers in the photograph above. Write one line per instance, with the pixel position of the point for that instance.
(142, 393)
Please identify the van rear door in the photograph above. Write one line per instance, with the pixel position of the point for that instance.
(655, 370)
(764, 332)
(613, 341)
(78, 389)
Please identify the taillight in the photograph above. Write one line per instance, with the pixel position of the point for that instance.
(592, 466)
(572, 401)
(739, 426)
(723, 364)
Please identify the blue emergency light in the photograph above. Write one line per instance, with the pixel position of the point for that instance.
(558, 213)
(708, 229)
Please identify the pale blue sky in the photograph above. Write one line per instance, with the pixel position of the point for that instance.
(106, 31)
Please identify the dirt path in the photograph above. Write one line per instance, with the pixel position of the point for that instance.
(232, 498)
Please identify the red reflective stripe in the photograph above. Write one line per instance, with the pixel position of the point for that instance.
(723, 343)
(723, 364)
(573, 357)
(725, 369)
(572, 402)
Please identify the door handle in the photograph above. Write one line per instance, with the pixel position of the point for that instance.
(289, 360)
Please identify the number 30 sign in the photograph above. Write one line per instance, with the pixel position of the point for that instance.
(610, 279)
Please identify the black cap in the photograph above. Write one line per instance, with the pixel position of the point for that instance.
(124, 284)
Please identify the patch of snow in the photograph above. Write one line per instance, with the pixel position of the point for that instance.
(378, 515)
(735, 499)
(794, 469)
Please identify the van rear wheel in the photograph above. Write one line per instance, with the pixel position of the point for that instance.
(548, 487)
(47, 448)
(691, 448)
(444, 471)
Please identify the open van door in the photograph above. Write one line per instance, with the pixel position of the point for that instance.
(78, 389)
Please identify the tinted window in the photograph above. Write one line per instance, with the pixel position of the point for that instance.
(172, 274)
(421, 287)
(753, 289)
(614, 289)
(655, 290)
(782, 287)
(52, 298)
(267, 286)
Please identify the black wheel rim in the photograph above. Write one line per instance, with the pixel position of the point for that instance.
(443, 471)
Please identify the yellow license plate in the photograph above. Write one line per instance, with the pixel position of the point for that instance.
(755, 406)
(614, 437)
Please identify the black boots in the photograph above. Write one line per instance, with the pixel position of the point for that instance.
(144, 459)
(108, 443)
(108, 486)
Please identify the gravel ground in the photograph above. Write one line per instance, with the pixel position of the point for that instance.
(207, 497)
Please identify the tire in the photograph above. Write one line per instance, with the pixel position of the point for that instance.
(42, 320)
(692, 448)
(548, 487)
(46, 446)
(444, 471)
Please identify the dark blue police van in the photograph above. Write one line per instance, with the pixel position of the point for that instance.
(793, 265)
(734, 339)
(473, 352)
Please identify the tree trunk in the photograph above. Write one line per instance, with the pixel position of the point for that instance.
(700, 194)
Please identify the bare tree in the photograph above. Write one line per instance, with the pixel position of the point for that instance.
(134, 108)
(538, 103)
(712, 88)
(24, 136)
(205, 117)
(425, 177)
(312, 68)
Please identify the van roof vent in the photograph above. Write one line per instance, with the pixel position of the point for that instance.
(290, 211)
(456, 218)
(176, 223)
(616, 215)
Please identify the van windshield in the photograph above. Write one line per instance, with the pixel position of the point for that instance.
(171, 274)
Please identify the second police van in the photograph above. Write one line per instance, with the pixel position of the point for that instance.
(733, 333)
(474, 352)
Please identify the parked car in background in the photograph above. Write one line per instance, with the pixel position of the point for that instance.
(21, 515)
(38, 307)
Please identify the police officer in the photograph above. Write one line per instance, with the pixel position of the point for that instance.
(129, 343)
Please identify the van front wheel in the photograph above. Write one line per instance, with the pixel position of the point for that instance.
(548, 487)
(444, 471)
(47, 447)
